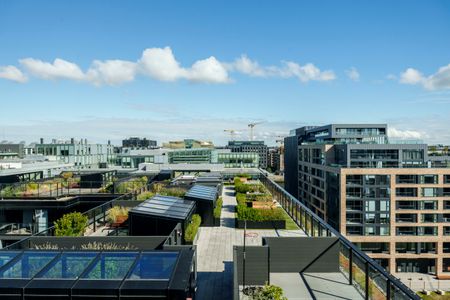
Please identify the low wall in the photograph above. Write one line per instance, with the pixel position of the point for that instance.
(276, 224)
(78, 243)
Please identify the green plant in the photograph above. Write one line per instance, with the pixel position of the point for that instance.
(145, 195)
(117, 211)
(218, 208)
(267, 292)
(192, 228)
(72, 224)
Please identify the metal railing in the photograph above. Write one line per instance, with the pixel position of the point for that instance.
(96, 217)
(68, 188)
(366, 275)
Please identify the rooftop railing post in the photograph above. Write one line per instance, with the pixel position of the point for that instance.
(388, 289)
(367, 271)
(350, 268)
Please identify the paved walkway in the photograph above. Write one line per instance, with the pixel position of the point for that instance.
(215, 250)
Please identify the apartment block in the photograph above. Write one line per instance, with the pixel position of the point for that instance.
(391, 199)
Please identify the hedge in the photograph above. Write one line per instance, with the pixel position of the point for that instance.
(192, 228)
(218, 208)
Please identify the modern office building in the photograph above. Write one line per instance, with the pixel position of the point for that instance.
(251, 146)
(136, 142)
(130, 158)
(80, 153)
(392, 200)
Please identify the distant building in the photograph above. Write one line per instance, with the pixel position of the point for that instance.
(275, 160)
(136, 142)
(188, 144)
(11, 151)
(132, 158)
(80, 153)
(251, 146)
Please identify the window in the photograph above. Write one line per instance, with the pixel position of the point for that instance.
(370, 230)
(407, 179)
(406, 192)
(370, 205)
(429, 179)
(430, 192)
(384, 205)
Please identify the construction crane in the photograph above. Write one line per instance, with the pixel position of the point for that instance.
(251, 126)
(232, 133)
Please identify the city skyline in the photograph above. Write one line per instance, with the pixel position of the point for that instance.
(108, 71)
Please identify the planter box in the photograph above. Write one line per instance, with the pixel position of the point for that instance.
(276, 224)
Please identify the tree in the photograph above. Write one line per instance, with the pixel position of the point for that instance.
(72, 224)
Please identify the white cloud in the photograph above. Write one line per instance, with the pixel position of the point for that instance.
(404, 134)
(111, 72)
(59, 69)
(437, 81)
(161, 64)
(288, 69)
(353, 74)
(208, 70)
(249, 67)
(306, 73)
(12, 73)
(411, 76)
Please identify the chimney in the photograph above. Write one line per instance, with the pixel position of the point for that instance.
(42, 141)
(72, 140)
(85, 141)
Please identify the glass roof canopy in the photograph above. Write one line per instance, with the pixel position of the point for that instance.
(165, 206)
(66, 273)
(156, 265)
(202, 192)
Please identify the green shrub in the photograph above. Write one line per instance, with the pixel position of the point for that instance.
(72, 224)
(267, 292)
(145, 195)
(218, 208)
(174, 192)
(192, 228)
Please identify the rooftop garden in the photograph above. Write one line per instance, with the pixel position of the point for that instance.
(49, 187)
(255, 203)
(164, 189)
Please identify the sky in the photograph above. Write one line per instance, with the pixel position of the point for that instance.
(168, 70)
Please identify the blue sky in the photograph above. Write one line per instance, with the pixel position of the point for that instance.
(178, 69)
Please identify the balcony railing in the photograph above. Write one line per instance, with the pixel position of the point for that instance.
(372, 280)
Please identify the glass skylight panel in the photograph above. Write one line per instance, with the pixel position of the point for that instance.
(29, 264)
(153, 265)
(69, 266)
(113, 265)
(5, 257)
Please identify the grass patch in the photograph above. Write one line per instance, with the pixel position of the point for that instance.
(290, 223)
(433, 296)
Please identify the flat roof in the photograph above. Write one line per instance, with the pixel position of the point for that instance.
(202, 192)
(166, 207)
